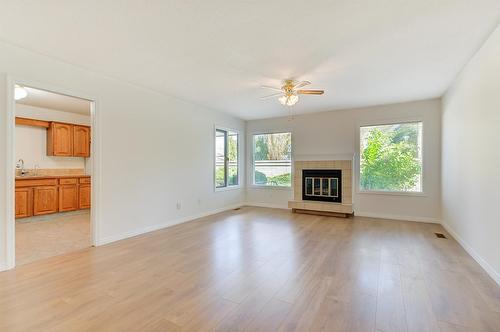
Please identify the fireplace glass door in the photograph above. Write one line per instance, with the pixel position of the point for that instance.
(322, 185)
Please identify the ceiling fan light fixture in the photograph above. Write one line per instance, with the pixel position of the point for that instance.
(289, 100)
(283, 100)
(289, 92)
(292, 100)
(20, 92)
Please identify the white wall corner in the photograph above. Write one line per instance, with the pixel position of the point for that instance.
(481, 261)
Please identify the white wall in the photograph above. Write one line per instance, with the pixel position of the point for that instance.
(39, 113)
(471, 156)
(31, 142)
(3, 176)
(156, 150)
(335, 134)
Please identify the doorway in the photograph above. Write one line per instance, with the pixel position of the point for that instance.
(52, 152)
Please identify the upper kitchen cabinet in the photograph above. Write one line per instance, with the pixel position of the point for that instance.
(60, 140)
(67, 140)
(81, 141)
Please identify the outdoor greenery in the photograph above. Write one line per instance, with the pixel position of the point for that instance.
(232, 154)
(219, 176)
(277, 180)
(273, 147)
(260, 178)
(390, 157)
(232, 177)
(232, 147)
(280, 180)
(269, 147)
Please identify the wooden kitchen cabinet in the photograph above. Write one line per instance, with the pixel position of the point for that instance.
(68, 197)
(24, 202)
(84, 198)
(63, 139)
(60, 139)
(45, 200)
(38, 195)
(81, 141)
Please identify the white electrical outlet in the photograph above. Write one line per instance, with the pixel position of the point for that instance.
(178, 205)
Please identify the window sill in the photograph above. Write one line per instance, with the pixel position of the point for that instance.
(227, 188)
(255, 186)
(392, 193)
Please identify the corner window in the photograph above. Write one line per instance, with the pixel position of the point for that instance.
(226, 158)
(391, 158)
(272, 159)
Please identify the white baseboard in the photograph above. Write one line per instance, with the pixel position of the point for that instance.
(152, 228)
(397, 217)
(265, 205)
(481, 261)
(3, 267)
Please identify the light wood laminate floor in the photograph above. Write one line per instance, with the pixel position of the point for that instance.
(51, 235)
(258, 269)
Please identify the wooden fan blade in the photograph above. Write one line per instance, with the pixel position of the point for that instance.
(301, 84)
(310, 92)
(272, 96)
(270, 88)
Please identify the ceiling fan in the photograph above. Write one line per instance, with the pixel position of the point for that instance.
(290, 90)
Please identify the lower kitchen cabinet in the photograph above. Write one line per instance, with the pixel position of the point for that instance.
(68, 197)
(84, 196)
(24, 202)
(39, 196)
(45, 200)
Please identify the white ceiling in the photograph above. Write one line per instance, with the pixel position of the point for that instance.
(217, 53)
(55, 101)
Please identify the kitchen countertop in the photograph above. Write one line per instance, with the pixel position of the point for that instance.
(36, 177)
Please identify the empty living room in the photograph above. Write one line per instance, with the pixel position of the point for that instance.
(222, 165)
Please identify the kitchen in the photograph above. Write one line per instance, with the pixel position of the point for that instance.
(53, 174)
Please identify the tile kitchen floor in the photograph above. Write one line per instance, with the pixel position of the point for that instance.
(51, 235)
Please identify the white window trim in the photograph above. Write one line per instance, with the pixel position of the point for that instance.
(227, 188)
(422, 192)
(252, 184)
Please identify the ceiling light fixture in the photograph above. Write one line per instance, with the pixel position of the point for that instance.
(20, 92)
(289, 100)
(288, 93)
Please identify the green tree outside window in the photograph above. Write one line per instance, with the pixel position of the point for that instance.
(391, 157)
(272, 159)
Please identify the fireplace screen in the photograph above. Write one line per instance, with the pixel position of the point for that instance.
(322, 185)
(328, 187)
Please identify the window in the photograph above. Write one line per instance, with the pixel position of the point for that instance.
(391, 157)
(272, 159)
(226, 158)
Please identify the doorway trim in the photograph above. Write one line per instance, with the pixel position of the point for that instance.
(95, 211)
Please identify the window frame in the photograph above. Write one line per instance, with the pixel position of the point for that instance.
(359, 190)
(252, 160)
(226, 159)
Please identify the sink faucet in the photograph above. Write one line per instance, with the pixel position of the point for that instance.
(20, 165)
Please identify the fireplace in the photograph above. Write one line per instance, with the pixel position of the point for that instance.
(322, 185)
(329, 189)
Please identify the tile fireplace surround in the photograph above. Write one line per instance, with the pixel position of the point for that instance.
(342, 209)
